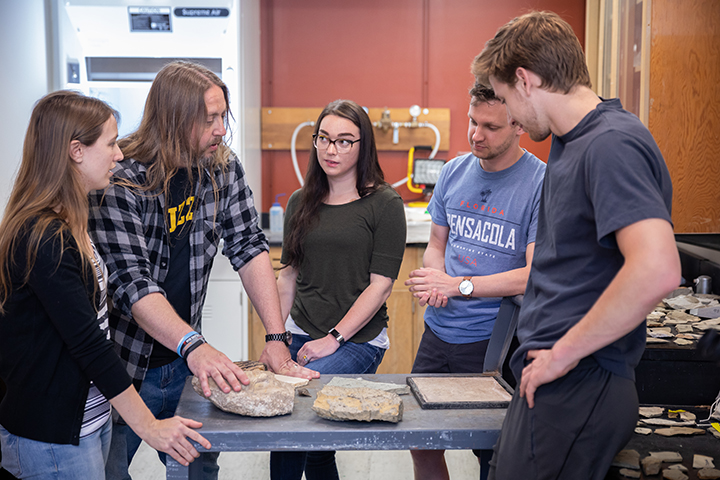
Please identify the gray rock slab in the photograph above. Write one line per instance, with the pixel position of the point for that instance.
(651, 412)
(665, 456)
(651, 465)
(672, 474)
(627, 459)
(360, 383)
(675, 431)
(664, 422)
(626, 472)
(708, 474)
(362, 404)
(703, 461)
(264, 396)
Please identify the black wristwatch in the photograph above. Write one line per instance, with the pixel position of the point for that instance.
(338, 336)
(285, 337)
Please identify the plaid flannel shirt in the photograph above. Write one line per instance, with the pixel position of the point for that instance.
(130, 231)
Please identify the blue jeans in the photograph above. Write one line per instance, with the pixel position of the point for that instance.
(161, 392)
(25, 458)
(351, 358)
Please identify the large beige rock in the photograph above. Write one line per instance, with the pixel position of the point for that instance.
(264, 396)
(363, 404)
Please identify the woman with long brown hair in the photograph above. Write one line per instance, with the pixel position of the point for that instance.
(342, 249)
(60, 368)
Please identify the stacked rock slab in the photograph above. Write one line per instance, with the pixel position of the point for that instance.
(264, 396)
(363, 404)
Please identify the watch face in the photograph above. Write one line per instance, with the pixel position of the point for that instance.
(466, 287)
(288, 337)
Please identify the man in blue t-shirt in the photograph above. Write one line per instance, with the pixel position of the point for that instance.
(484, 217)
(605, 255)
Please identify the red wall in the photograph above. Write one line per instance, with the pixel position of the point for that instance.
(381, 53)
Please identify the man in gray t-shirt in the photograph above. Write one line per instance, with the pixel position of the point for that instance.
(484, 218)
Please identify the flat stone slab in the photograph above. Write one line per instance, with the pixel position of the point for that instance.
(651, 465)
(626, 472)
(708, 474)
(664, 422)
(672, 474)
(360, 383)
(675, 431)
(651, 412)
(627, 459)
(643, 431)
(665, 456)
(703, 461)
(362, 404)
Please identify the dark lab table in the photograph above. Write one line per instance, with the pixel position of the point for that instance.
(303, 430)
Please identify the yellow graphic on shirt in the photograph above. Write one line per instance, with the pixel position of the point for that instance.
(177, 216)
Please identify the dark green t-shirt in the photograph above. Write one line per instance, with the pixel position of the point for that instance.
(347, 244)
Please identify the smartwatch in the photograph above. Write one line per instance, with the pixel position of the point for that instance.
(338, 336)
(285, 337)
(466, 287)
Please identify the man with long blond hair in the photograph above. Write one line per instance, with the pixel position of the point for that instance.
(179, 191)
(605, 255)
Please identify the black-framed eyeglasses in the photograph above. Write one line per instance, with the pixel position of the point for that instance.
(342, 145)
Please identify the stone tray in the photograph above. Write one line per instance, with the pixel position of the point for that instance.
(460, 391)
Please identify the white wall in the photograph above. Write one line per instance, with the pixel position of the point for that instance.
(23, 80)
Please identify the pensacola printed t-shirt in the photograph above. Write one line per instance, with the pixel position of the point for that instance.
(180, 202)
(492, 217)
(603, 175)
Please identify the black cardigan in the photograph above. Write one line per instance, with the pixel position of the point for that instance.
(51, 345)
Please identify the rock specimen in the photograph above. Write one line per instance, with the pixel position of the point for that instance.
(702, 461)
(651, 412)
(651, 465)
(360, 383)
(294, 381)
(363, 404)
(673, 431)
(672, 474)
(626, 472)
(627, 459)
(670, 457)
(263, 397)
(643, 431)
(663, 422)
(678, 466)
(708, 474)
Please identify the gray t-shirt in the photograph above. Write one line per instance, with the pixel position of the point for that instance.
(492, 217)
(603, 175)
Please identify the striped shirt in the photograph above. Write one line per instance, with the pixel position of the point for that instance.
(97, 408)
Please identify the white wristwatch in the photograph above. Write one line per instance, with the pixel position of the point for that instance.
(466, 287)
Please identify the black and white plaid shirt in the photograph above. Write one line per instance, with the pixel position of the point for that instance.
(130, 231)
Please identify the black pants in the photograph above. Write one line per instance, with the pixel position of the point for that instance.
(579, 423)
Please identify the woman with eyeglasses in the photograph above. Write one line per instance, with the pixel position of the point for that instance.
(344, 239)
(59, 365)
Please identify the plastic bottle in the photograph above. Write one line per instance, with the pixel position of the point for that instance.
(276, 216)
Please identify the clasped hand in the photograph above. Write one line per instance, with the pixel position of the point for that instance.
(431, 286)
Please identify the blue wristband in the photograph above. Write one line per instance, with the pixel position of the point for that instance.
(183, 340)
